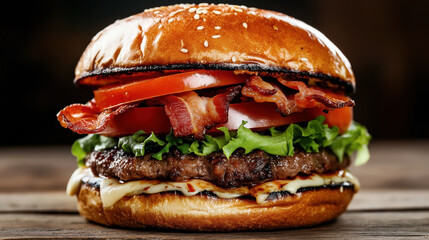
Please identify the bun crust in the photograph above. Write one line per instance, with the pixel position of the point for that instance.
(206, 36)
(205, 213)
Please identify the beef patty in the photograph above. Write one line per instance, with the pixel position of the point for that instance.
(240, 170)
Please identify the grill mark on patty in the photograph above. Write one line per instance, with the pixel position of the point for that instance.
(240, 170)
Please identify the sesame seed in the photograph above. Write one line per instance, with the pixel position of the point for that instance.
(184, 50)
(217, 27)
(237, 9)
(275, 28)
(186, 5)
(233, 59)
(216, 12)
(200, 28)
(245, 25)
(203, 4)
(206, 43)
(196, 16)
(201, 11)
(170, 20)
(175, 12)
(252, 12)
(192, 9)
(216, 36)
(304, 59)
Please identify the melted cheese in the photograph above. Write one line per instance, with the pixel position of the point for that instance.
(75, 180)
(111, 190)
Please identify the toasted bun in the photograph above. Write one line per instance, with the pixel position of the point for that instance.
(205, 213)
(206, 36)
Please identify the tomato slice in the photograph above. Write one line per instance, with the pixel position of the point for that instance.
(148, 119)
(112, 96)
(340, 117)
(259, 116)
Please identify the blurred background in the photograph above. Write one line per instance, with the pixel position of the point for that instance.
(41, 41)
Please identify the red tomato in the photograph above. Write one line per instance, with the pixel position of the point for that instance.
(259, 116)
(111, 96)
(340, 117)
(148, 119)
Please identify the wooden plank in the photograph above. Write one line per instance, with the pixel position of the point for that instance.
(351, 225)
(37, 202)
(393, 202)
(365, 200)
(25, 169)
(381, 199)
(393, 165)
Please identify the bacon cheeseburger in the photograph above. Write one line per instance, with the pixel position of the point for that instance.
(214, 118)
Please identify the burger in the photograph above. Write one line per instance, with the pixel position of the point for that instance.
(214, 118)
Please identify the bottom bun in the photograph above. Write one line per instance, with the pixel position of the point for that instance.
(207, 213)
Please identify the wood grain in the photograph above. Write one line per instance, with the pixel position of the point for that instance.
(29, 169)
(366, 200)
(35, 202)
(387, 199)
(393, 201)
(393, 165)
(351, 225)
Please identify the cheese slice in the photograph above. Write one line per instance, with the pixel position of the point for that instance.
(75, 180)
(112, 190)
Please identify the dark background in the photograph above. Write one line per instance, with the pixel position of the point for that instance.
(41, 42)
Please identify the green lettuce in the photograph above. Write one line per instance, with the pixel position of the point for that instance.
(356, 139)
(91, 142)
(311, 138)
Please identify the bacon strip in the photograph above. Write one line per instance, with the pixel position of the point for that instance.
(86, 119)
(309, 97)
(262, 91)
(191, 114)
(261, 87)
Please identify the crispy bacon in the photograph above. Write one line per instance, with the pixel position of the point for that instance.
(309, 97)
(262, 91)
(260, 86)
(86, 118)
(191, 114)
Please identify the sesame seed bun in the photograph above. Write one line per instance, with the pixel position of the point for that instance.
(178, 38)
(224, 37)
(207, 213)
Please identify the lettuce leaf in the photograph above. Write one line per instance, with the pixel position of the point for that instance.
(356, 139)
(311, 138)
(92, 142)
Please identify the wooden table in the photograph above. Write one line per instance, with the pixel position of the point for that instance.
(393, 201)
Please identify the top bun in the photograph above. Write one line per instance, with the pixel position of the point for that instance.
(204, 36)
